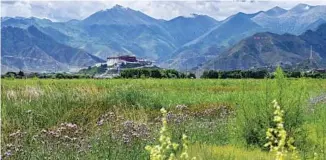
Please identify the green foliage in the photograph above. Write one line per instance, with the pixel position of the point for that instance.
(210, 74)
(190, 75)
(236, 74)
(20, 75)
(10, 75)
(278, 140)
(314, 75)
(253, 113)
(257, 74)
(117, 118)
(154, 73)
(94, 70)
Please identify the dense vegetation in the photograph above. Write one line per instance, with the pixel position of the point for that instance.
(154, 73)
(237, 74)
(90, 72)
(22, 75)
(117, 118)
(164, 73)
(258, 74)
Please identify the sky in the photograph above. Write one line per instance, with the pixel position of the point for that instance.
(67, 10)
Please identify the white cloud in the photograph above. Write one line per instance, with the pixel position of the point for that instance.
(22, 9)
(66, 10)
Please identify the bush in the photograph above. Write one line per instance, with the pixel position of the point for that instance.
(253, 114)
(191, 75)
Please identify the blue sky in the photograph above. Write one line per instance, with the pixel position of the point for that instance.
(66, 10)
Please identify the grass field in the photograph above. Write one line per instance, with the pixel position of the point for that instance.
(116, 119)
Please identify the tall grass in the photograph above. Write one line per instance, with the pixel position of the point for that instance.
(253, 113)
(116, 119)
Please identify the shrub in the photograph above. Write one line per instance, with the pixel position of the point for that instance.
(253, 113)
(191, 75)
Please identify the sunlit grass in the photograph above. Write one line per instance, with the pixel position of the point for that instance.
(35, 105)
(228, 152)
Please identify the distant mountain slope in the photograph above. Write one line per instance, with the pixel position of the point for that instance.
(127, 31)
(185, 29)
(214, 41)
(276, 11)
(317, 39)
(121, 30)
(119, 15)
(23, 22)
(68, 33)
(295, 21)
(31, 50)
(276, 20)
(269, 49)
(141, 40)
(111, 32)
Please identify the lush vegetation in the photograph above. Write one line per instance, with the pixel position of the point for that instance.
(236, 74)
(154, 73)
(118, 118)
(22, 75)
(92, 70)
(258, 74)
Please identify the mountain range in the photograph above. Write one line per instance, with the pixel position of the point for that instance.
(32, 50)
(270, 49)
(181, 43)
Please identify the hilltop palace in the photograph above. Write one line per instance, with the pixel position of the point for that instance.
(127, 62)
(117, 63)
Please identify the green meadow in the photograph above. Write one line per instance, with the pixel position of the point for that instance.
(117, 118)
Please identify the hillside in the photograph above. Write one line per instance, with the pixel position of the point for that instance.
(121, 30)
(237, 27)
(295, 21)
(185, 29)
(215, 41)
(119, 15)
(269, 49)
(31, 50)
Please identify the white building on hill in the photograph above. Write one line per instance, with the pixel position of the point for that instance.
(127, 62)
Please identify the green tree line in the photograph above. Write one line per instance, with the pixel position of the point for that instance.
(258, 74)
(154, 73)
(169, 73)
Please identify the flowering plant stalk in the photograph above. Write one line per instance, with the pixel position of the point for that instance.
(166, 149)
(277, 136)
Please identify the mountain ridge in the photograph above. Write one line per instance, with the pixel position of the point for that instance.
(180, 43)
(26, 49)
(270, 49)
